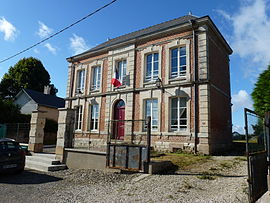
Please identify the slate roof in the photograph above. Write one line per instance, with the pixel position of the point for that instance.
(45, 99)
(142, 32)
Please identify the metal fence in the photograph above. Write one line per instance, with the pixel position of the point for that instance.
(126, 149)
(18, 131)
(256, 154)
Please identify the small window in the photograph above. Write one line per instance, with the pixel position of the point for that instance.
(94, 117)
(178, 62)
(179, 114)
(151, 109)
(120, 71)
(78, 118)
(80, 81)
(95, 84)
(151, 71)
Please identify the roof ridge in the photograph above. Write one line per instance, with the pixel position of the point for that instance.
(150, 27)
(139, 33)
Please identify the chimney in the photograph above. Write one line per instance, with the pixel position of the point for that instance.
(47, 89)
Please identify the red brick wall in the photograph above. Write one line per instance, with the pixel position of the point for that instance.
(102, 114)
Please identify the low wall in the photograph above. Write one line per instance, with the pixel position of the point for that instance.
(84, 159)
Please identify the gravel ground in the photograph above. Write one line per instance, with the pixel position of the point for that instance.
(225, 184)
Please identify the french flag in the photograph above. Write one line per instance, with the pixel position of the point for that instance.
(115, 82)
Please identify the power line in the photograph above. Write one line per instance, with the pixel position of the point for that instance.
(60, 31)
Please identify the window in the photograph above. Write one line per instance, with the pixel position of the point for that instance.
(120, 71)
(178, 62)
(95, 85)
(78, 118)
(94, 117)
(80, 81)
(179, 114)
(151, 109)
(151, 73)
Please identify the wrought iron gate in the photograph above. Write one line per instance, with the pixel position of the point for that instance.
(256, 154)
(128, 154)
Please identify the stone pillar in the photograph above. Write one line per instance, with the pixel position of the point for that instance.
(65, 131)
(36, 134)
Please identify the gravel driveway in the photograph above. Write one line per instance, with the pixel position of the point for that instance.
(226, 185)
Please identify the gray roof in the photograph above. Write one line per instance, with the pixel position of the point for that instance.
(142, 32)
(45, 99)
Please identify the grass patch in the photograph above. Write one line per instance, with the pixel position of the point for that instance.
(226, 165)
(241, 158)
(154, 154)
(183, 160)
(206, 176)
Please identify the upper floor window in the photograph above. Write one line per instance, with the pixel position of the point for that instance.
(95, 83)
(178, 62)
(120, 71)
(78, 118)
(151, 73)
(80, 81)
(94, 117)
(151, 109)
(179, 114)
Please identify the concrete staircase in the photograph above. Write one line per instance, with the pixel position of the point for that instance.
(43, 162)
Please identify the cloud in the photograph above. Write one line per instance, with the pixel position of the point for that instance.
(8, 29)
(241, 100)
(44, 30)
(250, 37)
(50, 48)
(78, 44)
(36, 51)
(238, 128)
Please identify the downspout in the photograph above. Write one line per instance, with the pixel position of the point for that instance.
(195, 78)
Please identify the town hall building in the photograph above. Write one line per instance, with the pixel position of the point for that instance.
(177, 72)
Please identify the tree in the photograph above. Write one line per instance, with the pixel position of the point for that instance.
(261, 93)
(27, 73)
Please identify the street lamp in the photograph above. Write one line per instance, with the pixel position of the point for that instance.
(159, 84)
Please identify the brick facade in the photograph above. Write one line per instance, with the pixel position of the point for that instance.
(212, 99)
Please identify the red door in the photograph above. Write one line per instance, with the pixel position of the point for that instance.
(119, 114)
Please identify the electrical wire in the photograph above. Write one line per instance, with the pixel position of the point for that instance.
(60, 31)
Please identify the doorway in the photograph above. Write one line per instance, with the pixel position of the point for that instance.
(119, 116)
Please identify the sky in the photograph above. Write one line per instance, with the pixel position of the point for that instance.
(245, 24)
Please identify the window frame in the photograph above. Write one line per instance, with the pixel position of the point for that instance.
(78, 119)
(151, 113)
(123, 69)
(80, 84)
(153, 76)
(179, 128)
(179, 56)
(94, 112)
(97, 77)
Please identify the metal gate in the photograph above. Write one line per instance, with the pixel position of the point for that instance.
(127, 154)
(256, 154)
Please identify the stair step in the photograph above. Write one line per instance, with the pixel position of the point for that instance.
(43, 166)
(43, 160)
(51, 156)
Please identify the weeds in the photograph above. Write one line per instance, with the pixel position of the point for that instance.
(206, 176)
(226, 165)
(184, 160)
